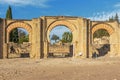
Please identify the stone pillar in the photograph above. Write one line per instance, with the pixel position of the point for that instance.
(90, 50)
(74, 49)
(85, 37)
(114, 46)
(4, 45)
(35, 39)
(46, 49)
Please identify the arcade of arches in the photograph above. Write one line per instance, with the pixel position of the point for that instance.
(82, 30)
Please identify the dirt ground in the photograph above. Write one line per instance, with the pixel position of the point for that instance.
(60, 69)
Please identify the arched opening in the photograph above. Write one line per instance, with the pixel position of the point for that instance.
(19, 35)
(101, 42)
(19, 45)
(18, 40)
(101, 33)
(51, 50)
(60, 44)
(100, 38)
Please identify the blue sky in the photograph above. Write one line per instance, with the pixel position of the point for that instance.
(59, 30)
(93, 9)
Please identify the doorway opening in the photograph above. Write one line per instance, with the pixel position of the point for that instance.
(101, 43)
(19, 45)
(60, 44)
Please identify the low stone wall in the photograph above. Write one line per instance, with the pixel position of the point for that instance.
(60, 50)
(18, 50)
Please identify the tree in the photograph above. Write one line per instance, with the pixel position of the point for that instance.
(24, 39)
(14, 33)
(22, 36)
(67, 37)
(14, 36)
(116, 17)
(111, 19)
(9, 13)
(54, 37)
(100, 33)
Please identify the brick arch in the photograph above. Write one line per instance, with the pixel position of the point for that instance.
(105, 26)
(67, 24)
(14, 25)
(62, 23)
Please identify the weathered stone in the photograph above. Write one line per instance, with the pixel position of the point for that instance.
(39, 30)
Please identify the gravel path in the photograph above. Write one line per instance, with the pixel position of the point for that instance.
(60, 69)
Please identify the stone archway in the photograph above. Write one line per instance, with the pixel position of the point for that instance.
(99, 26)
(14, 25)
(15, 49)
(62, 23)
(102, 48)
(105, 26)
(67, 24)
(39, 30)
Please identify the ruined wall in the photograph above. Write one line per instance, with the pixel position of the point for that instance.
(39, 29)
(113, 30)
(78, 27)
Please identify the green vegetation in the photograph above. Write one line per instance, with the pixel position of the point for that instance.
(16, 36)
(14, 33)
(115, 18)
(9, 13)
(67, 37)
(55, 38)
(22, 36)
(100, 33)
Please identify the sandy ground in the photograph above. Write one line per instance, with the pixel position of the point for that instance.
(60, 69)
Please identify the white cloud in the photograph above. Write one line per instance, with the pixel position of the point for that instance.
(40, 3)
(105, 15)
(117, 5)
(102, 16)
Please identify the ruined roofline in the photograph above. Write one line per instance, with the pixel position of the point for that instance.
(103, 21)
(18, 19)
(64, 17)
(58, 17)
(72, 17)
(61, 16)
(22, 19)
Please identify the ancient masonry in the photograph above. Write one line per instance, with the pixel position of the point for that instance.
(39, 30)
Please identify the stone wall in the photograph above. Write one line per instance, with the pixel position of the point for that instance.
(39, 29)
(17, 50)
